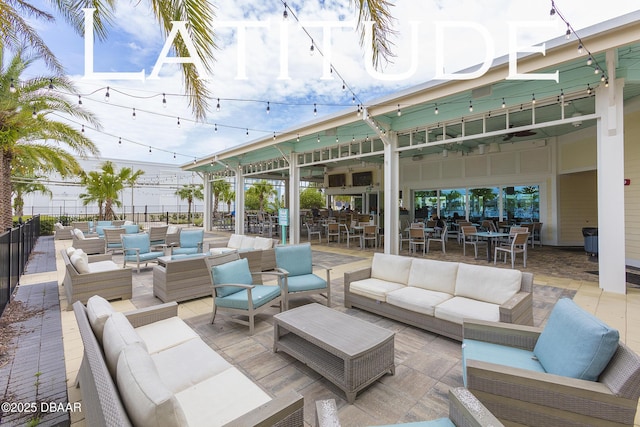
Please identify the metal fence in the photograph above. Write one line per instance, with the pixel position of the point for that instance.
(16, 245)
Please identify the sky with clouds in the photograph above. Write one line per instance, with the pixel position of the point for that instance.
(135, 42)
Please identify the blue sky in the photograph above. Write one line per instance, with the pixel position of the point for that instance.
(135, 42)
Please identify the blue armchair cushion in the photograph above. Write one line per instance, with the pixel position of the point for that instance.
(131, 228)
(498, 354)
(231, 272)
(147, 256)
(575, 343)
(140, 241)
(191, 238)
(260, 295)
(296, 259)
(104, 223)
(305, 282)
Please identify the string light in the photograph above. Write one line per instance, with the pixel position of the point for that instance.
(12, 87)
(34, 115)
(436, 111)
(215, 127)
(580, 48)
(268, 107)
(149, 149)
(218, 105)
(315, 109)
(589, 60)
(344, 87)
(174, 155)
(285, 15)
(79, 100)
(247, 132)
(133, 114)
(504, 104)
(298, 138)
(164, 101)
(470, 107)
(50, 85)
(178, 122)
(274, 135)
(311, 49)
(318, 139)
(588, 89)
(399, 111)
(533, 98)
(107, 96)
(567, 35)
(82, 130)
(120, 141)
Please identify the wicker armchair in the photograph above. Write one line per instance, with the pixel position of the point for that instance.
(90, 245)
(542, 399)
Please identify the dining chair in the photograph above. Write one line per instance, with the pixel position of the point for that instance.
(518, 245)
(370, 233)
(312, 230)
(469, 238)
(442, 239)
(349, 234)
(536, 237)
(416, 238)
(333, 230)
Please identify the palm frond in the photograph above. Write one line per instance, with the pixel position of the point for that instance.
(378, 12)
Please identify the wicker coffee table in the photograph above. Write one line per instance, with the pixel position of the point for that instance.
(349, 352)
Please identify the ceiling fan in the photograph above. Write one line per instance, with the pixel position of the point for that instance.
(518, 134)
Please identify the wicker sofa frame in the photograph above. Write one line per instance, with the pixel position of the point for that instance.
(90, 246)
(542, 399)
(101, 403)
(518, 309)
(111, 284)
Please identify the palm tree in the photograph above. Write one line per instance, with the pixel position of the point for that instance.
(218, 188)
(29, 130)
(262, 190)
(23, 185)
(228, 196)
(199, 14)
(103, 187)
(190, 192)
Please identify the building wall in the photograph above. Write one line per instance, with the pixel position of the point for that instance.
(632, 191)
(577, 206)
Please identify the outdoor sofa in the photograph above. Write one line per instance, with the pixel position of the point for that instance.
(148, 367)
(94, 275)
(242, 243)
(439, 295)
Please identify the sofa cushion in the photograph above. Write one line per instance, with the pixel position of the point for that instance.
(262, 243)
(575, 343)
(457, 308)
(498, 354)
(235, 241)
(70, 250)
(221, 399)
(139, 241)
(187, 364)
(219, 251)
(116, 335)
(191, 238)
(98, 311)
(148, 401)
(374, 288)
(489, 284)
(416, 299)
(296, 259)
(247, 242)
(235, 272)
(392, 268)
(79, 234)
(305, 282)
(80, 261)
(165, 334)
(434, 275)
(100, 266)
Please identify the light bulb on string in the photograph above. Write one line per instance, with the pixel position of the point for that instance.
(588, 89)
(504, 104)
(50, 85)
(247, 132)
(12, 87)
(580, 48)
(470, 107)
(34, 115)
(567, 35)
(589, 60)
(315, 109)
(436, 111)
(298, 138)
(596, 70)
(399, 111)
(533, 98)
(149, 149)
(344, 86)
(311, 49)
(603, 78)
(215, 127)
(82, 129)
(353, 99)
(285, 14)
(218, 105)
(318, 139)
(174, 155)
(79, 100)
(268, 107)
(178, 122)
(164, 101)
(107, 96)
(119, 140)
(274, 136)
(133, 114)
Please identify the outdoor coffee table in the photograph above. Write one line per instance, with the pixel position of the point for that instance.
(349, 352)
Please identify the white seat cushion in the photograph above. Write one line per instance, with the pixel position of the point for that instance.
(374, 288)
(457, 308)
(218, 251)
(391, 268)
(220, 399)
(490, 284)
(99, 266)
(165, 334)
(417, 299)
(188, 364)
(433, 275)
(148, 401)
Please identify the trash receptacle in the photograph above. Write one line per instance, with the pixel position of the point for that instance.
(590, 235)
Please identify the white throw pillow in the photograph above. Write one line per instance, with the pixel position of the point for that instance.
(98, 311)
(262, 243)
(116, 335)
(80, 261)
(58, 226)
(148, 401)
(247, 242)
(235, 241)
(392, 268)
(434, 275)
(79, 234)
(70, 251)
(489, 284)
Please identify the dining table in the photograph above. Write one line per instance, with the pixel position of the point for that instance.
(491, 236)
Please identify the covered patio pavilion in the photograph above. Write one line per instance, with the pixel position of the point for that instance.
(567, 124)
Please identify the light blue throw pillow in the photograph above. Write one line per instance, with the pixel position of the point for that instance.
(236, 272)
(575, 343)
(296, 259)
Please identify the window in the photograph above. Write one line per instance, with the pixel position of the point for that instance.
(521, 203)
(337, 180)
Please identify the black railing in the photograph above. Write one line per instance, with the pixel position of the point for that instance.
(16, 245)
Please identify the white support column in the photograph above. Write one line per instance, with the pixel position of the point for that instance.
(208, 203)
(610, 149)
(391, 192)
(239, 229)
(294, 200)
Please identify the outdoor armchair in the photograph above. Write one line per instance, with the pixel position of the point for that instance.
(190, 242)
(295, 261)
(112, 238)
(158, 235)
(236, 292)
(561, 375)
(90, 245)
(137, 248)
